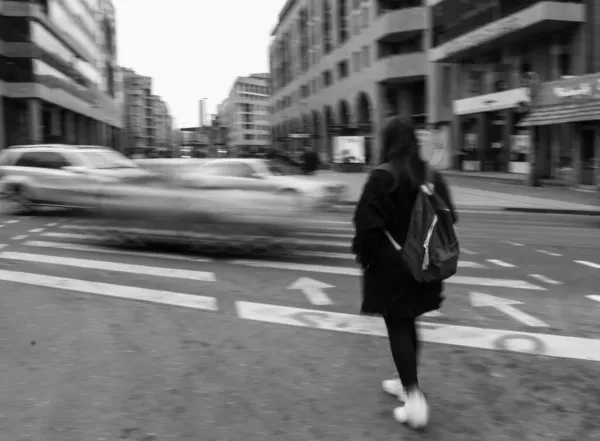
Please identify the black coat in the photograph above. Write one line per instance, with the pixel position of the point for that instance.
(387, 286)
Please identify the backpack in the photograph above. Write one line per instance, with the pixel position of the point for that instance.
(431, 251)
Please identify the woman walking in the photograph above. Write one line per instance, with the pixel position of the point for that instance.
(388, 288)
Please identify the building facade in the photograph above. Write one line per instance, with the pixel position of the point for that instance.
(245, 113)
(494, 63)
(342, 66)
(147, 120)
(59, 80)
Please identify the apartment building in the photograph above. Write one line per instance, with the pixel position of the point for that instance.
(508, 81)
(58, 73)
(245, 113)
(342, 66)
(148, 122)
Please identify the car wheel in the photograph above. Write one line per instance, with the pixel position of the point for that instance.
(18, 202)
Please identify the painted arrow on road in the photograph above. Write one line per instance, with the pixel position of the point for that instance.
(313, 290)
(481, 300)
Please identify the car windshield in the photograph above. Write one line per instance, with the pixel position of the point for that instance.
(279, 167)
(106, 159)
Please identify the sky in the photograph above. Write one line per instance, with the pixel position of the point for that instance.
(194, 48)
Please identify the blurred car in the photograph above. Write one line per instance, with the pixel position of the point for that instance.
(261, 175)
(63, 175)
(71, 176)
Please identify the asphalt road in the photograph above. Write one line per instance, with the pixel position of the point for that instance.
(100, 343)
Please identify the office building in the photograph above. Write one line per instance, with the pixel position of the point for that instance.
(245, 113)
(59, 80)
(148, 123)
(506, 81)
(341, 67)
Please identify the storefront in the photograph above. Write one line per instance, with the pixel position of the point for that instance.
(488, 136)
(565, 123)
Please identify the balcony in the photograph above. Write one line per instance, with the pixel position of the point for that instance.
(400, 68)
(542, 18)
(399, 21)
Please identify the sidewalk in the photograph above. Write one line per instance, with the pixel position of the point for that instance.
(475, 194)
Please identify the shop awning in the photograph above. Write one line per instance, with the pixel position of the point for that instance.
(562, 113)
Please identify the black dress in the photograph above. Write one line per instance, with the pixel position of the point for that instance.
(386, 284)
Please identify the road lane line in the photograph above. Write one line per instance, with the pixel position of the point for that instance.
(332, 235)
(52, 224)
(348, 256)
(20, 237)
(516, 244)
(74, 236)
(110, 290)
(36, 230)
(110, 266)
(99, 249)
(501, 263)
(549, 253)
(558, 346)
(347, 271)
(594, 297)
(12, 222)
(467, 251)
(590, 264)
(545, 279)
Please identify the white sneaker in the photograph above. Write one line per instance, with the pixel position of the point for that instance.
(394, 387)
(415, 412)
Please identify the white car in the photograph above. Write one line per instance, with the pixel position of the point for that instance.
(263, 175)
(63, 175)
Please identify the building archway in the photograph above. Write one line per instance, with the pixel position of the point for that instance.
(344, 113)
(316, 132)
(364, 119)
(329, 121)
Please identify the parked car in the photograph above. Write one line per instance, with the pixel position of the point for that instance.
(59, 175)
(261, 175)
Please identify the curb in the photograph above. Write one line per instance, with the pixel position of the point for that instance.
(553, 211)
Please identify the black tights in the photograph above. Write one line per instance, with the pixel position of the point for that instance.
(405, 348)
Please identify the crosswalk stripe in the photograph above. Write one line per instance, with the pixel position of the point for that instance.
(332, 235)
(111, 290)
(346, 271)
(111, 266)
(501, 263)
(98, 249)
(590, 264)
(545, 279)
(73, 236)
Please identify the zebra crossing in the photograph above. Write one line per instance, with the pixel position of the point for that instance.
(71, 257)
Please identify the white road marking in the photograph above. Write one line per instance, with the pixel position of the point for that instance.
(347, 271)
(590, 264)
(501, 263)
(36, 230)
(73, 236)
(594, 297)
(110, 290)
(332, 235)
(348, 256)
(20, 237)
(482, 338)
(466, 251)
(12, 222)
(111, 266)
(52, 224)
(549, 253)
(545, 279)
(326, 228)
(98, 249)
(327, 222)
(322, 242)
(506, 306)
(517, 244)
(313, 290)
(433, 314)
(3, 245)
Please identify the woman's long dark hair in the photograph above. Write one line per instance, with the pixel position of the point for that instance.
(400, 148)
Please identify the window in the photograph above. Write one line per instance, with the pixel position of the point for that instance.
(356, 61)
(233, 169)
(342, 21)
(51, 160)
(366, 55)
(365, 16)
(342, 68)
(327, 80)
